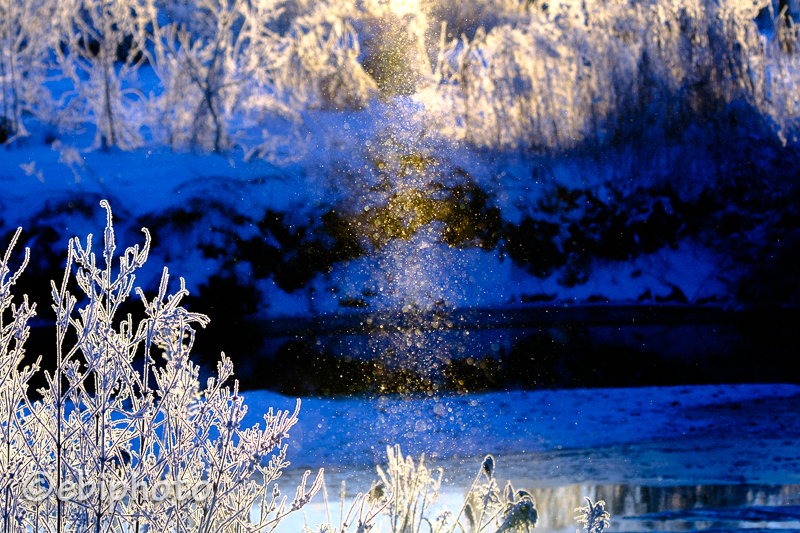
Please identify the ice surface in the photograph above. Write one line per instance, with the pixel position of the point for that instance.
(657, 432)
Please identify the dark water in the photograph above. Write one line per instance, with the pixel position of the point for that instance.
(669, 345)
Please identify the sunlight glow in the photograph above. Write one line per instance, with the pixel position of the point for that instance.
(405, 7)
(399, 8)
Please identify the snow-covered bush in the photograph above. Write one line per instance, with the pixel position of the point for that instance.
(594, 516)
(466, 17)
(485, 508)
(229, 66)
(415, 488)
(540, 84)
(208, 68)
(549, 76)
(593, 74)
(124, 438)
(26, 30)
(339, 52)
(318, 66)
(100, 54)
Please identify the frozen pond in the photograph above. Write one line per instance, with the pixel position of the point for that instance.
(713, 458)
(701, 434)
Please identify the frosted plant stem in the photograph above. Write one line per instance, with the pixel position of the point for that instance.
(464, 505)
(325, 498)
(341, 508)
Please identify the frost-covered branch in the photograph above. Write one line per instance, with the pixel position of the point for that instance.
(124, 438)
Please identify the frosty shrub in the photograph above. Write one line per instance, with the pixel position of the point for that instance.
(26, 28)
(464, 18)
(124, 439)
(485, 507)
(228, 65)
(594, 516)
(504, 74)
(102, 50)
(414, 487)
(318, 66)
(585, 73)
(208, 67)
